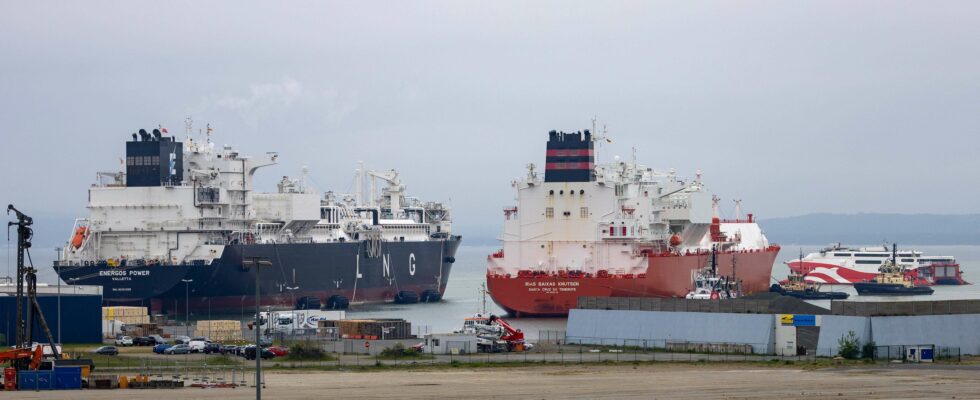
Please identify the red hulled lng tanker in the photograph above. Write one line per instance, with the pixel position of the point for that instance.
(618, 229)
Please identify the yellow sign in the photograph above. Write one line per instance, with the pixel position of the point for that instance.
(786, 319)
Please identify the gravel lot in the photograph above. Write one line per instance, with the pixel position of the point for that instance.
(674, 381)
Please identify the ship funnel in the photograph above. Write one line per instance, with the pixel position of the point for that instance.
(570, 157)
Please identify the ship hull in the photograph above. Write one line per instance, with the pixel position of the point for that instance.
(890, 289)
(666, 276)
(297, 271)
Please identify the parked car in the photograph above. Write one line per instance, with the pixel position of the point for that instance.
(158, 339)
(279, 351)
(107, 351)
(212, 348)
(178, 349)
(229, 349)
(250, 353)
(160, 348)
(182, 340)
(144, 341)
(419, 348)
(124, 341)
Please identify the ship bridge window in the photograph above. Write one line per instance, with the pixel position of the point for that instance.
(842, 254)
(868, 262)
(872, 255)
(908, 259)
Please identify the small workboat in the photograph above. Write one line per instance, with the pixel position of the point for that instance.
(797, 286)
(891, 281)
(709, 285)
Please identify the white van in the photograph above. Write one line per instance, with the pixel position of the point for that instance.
(197, 344)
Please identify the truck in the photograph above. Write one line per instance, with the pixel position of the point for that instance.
(296, 321)
(494, 335)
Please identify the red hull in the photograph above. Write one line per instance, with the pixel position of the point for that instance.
(666, 276)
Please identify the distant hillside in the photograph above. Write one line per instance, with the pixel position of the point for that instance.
(927, 229)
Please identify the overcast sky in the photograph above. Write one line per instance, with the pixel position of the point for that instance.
(795, 107)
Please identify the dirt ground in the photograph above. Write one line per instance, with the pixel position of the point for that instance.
(656, 381)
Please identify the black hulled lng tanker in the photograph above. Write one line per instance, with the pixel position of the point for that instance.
(183, 216)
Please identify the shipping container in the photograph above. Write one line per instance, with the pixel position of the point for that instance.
(67, 378)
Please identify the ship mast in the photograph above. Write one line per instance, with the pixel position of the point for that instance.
(483, 293)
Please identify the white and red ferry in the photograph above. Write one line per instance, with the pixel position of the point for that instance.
(619, 229)
(847, 265)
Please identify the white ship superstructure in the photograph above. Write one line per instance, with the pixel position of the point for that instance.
(180, 205)
(584, 220)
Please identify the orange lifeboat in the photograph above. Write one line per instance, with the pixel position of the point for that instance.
(675, 240)
(79, 237)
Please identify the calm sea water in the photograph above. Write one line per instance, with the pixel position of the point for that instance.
(463, 297)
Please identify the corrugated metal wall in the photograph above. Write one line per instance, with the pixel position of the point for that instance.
(80, 318)
(622, 327)
(832, 327)
(961, 331)
(656, 328)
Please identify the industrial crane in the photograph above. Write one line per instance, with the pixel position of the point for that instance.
(496, 335)
(21, 355)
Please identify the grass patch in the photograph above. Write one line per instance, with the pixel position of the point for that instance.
(398, 351)
(221, 360)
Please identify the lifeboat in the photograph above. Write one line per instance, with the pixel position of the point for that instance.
(80, 234)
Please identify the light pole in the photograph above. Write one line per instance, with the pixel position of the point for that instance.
(187, 306)
(57, 250)
(292, 298)
(257, 262)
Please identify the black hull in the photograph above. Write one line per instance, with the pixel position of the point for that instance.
(299, 270)
(808, 294)
(889, 289)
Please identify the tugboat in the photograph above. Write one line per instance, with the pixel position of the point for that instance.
(891, 280)
(797, 286)
(709, 285)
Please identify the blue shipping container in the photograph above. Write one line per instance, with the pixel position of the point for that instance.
(69, 377)
(35, 380)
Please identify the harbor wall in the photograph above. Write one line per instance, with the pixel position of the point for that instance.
(904, 308)
(764, 304)
(661, 329)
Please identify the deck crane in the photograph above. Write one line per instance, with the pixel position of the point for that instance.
(394, 190)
